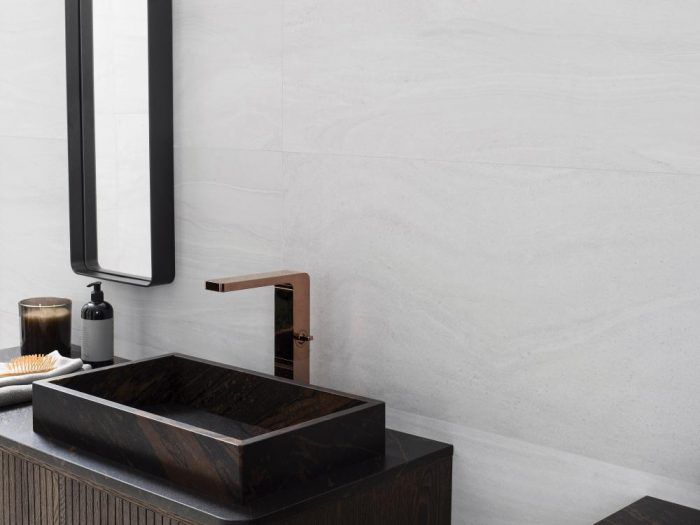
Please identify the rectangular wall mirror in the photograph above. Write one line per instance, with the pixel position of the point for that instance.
(120, 139)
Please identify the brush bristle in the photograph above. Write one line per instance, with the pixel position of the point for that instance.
(30, 364)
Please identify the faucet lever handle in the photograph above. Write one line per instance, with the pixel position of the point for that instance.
(302, 337)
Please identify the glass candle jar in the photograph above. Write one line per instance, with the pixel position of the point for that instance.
(45, 324)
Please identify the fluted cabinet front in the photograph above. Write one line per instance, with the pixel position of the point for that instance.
(35, 495)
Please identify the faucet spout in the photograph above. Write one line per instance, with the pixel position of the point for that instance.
(292, 317)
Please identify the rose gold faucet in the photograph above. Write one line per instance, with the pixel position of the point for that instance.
(292, 317)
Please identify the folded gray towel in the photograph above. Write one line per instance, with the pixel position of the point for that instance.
(14, 395)
(18, 389)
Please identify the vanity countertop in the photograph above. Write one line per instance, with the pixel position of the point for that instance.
(17, 436)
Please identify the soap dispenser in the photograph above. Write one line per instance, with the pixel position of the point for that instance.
(98, 329)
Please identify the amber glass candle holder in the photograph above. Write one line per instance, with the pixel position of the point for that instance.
(45, 324)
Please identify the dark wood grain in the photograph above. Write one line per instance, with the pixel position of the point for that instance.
(653, 511)
(223, 432)
(418, 494)
(58, 502)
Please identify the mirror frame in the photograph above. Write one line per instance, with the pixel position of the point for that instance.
(81, 144)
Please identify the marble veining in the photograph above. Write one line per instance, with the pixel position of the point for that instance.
(596, 85)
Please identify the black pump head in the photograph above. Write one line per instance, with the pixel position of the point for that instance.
(98, 295)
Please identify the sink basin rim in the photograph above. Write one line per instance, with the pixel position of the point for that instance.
(54, 384)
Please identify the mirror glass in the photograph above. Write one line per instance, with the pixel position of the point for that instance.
(122, 171)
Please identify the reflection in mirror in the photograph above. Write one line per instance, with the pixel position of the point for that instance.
(121, 89)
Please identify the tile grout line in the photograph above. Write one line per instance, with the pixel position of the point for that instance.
(443, 161)
(284, 151)
(282, 85)
(33, 137)
(285, 173)
(495, 164)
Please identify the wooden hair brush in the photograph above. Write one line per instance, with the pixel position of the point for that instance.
(29, 364)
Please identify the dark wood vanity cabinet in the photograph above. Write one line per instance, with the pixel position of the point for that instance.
(33, 493)
(419, 496)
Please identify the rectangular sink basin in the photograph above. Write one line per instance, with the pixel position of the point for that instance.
(227, 433)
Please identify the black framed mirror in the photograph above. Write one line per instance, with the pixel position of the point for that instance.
(120, 139)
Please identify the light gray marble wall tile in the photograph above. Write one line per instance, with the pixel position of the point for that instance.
(504, 481)
(228, 73)
(557, 306)
(596, 84)
(32, 76)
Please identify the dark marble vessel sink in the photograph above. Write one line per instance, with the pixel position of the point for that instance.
(223, 432)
